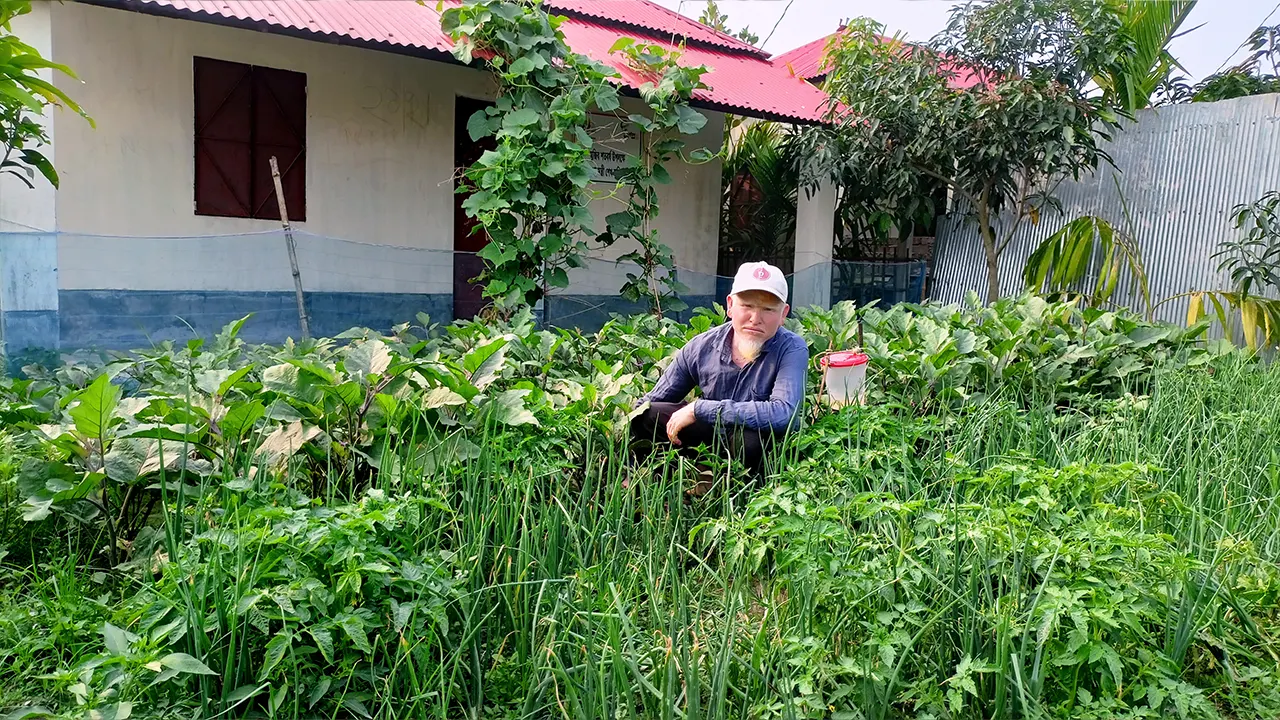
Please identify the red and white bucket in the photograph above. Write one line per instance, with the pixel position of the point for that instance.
(845, 376)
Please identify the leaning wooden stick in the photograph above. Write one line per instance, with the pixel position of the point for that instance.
(293, 254)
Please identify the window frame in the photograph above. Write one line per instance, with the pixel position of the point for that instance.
(227, 181)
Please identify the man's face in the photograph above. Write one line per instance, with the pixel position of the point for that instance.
(756, 314)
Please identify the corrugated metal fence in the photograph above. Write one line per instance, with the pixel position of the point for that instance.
(1181, 170)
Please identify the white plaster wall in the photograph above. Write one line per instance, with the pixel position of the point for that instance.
(688, 220)
(379, 164)
(28, 261)
(24, 209)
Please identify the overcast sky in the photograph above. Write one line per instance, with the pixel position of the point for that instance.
(1224, 24)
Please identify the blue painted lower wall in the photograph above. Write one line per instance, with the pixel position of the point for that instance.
(131, 319)
(138, 319)
(590, 312)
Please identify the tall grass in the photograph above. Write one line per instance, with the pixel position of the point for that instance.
(1015, 560)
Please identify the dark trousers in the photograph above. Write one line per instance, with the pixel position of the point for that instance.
(649, 429)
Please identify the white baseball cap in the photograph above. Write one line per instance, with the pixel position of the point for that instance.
(760, 276)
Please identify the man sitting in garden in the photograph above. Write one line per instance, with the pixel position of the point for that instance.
(751, 373)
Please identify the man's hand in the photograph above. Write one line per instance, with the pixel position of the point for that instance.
(680, 420)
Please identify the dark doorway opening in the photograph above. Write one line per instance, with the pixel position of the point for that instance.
(469, 236)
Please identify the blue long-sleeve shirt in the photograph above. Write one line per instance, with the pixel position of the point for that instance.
(765, 395)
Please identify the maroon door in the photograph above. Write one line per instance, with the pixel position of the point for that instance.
(468, 235)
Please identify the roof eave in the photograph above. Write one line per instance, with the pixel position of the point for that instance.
(148, 8)
(433, 54)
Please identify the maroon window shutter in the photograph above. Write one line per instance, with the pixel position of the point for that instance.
(223, 137)
(280, 130)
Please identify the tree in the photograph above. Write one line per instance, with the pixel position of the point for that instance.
(1134, 81)
(1257, 74)
(997, 108)
(713, 18)
(1252, 261)
(24, 95)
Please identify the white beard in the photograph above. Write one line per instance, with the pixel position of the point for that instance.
(747, 348)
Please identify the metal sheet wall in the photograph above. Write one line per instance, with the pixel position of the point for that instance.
(1178, 172)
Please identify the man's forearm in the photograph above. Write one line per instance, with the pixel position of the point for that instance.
(774, 415)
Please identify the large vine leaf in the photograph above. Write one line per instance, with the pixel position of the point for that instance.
(509, 408)
(240, 419)
(484, 362)
(124, 462)
(286, 441)
(39, 482)
(94, 407)
(371, 357)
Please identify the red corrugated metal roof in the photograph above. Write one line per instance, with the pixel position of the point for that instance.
(806, 62)
(737, 82)
(403, 23)
(741, 78)
(645, 15)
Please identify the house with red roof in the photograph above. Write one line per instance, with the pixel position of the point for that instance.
(808, 62)
(166, 225)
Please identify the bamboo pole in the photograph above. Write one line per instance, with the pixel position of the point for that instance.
(293, 253)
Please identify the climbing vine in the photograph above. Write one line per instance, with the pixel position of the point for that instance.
(667, 91)
(531, 193)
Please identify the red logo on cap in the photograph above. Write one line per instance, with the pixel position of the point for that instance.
(761, 274)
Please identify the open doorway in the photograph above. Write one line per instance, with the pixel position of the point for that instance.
(468, 236)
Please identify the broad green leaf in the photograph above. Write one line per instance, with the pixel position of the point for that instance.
(94, 407)
(124, 462)
(285, 441)
(484, 362)
(234, 378)
(185, 663)
(275, 651)
(354, 630)
(522, 66)
(622, 223)
(244, 692)
(478, 126)
(240, 419)
(691, 121)
(282, 411)
(35, 477)
(36, 509)
(208, 381)
(523, 117)
(117, 640)
(509, 408)
(276, 698)
(1145, 336)
(356, 707)
(607, 99)
(350, 394)
(37, 160)
(324, 641)
(442, 397)
(289, 381)
(318, 692)
(579, 176)
(371, 357)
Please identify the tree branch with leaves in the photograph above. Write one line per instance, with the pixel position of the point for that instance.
(24, 96)
(997, 108)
